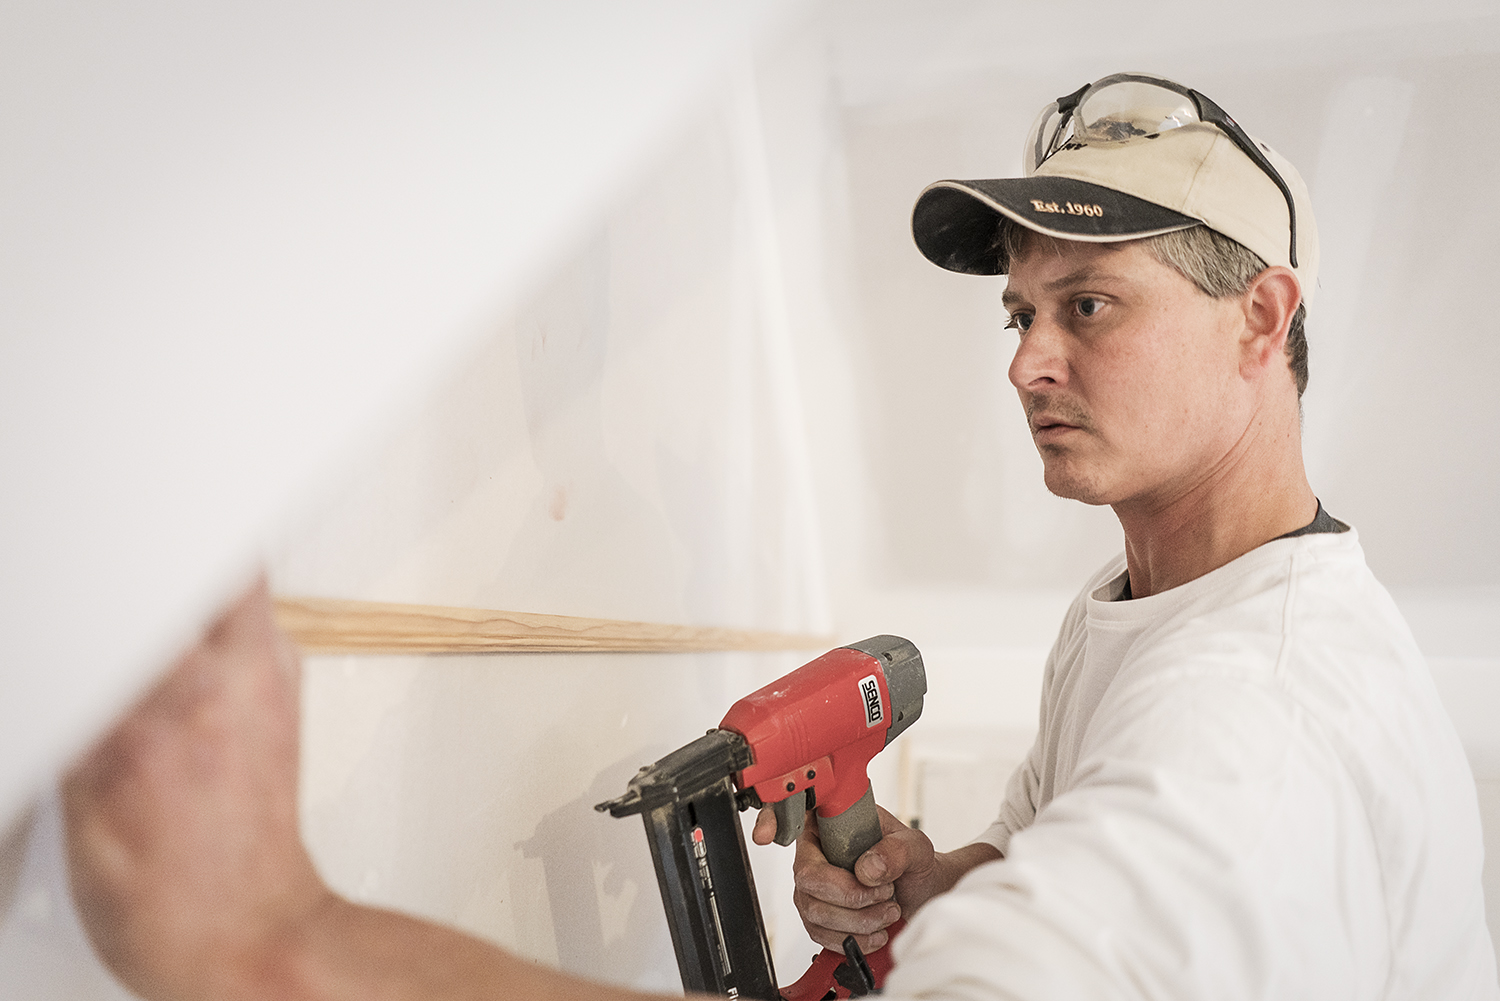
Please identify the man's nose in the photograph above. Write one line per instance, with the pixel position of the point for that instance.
(1040, 361)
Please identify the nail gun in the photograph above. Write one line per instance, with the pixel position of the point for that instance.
(801, 743)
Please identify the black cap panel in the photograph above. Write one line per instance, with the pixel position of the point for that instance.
(957, 223)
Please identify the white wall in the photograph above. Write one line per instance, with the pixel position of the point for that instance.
(232, 237)
(736, 395)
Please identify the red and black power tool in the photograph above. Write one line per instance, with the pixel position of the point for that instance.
(801, 743)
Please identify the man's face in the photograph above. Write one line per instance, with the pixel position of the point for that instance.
(1129, 374)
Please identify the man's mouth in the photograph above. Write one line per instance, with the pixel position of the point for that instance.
(1051, 425)
(1048, 434)
(1048, 423)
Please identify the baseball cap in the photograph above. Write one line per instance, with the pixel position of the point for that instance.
(1126, 157)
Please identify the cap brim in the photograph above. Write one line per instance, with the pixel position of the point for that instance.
(957, 224)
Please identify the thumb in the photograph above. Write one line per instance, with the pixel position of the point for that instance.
(885, 861)
(879, 864)
(899, 853)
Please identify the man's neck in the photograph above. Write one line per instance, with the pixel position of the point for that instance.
(1169, 542)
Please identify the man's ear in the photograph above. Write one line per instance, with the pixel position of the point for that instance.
(1269, 304)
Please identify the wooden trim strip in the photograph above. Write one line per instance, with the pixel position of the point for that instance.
(335, 625)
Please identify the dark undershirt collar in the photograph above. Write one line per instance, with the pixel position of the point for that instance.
(1322, 523)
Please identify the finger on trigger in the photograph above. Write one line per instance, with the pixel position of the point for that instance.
(765, 827)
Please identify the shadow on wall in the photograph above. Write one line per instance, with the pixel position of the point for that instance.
(600, 884)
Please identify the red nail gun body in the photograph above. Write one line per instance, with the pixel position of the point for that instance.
(800, 743)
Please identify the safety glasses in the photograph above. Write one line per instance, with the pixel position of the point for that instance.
(1125, 106)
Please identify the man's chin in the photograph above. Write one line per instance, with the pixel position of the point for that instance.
(1070, 484)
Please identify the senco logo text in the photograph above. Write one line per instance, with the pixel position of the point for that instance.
(869, 690)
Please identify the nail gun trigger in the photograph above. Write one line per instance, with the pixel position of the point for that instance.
(791, 815)
(854, 973)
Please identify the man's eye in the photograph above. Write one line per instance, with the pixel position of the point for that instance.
(1088, 307)
(1019, 321)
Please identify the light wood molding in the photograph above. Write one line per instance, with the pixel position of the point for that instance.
(335, 625)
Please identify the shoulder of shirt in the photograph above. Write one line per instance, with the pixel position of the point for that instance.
(1293, 601)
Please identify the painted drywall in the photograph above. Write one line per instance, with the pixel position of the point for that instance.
(232, 237)
(733, 394)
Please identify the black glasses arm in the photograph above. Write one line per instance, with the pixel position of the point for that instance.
(1210, 112)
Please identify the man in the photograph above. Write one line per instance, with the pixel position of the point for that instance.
(1243, 785)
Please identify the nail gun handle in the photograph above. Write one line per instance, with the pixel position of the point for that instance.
(849, 835)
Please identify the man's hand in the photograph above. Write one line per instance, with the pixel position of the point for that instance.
(189, 871)
(186, 861)
(899, 874)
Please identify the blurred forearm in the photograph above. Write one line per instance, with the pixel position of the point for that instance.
(346, 952)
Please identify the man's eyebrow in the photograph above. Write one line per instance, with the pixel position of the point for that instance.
(1086, 275)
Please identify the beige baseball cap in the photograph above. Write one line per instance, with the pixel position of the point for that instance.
(1103, 192)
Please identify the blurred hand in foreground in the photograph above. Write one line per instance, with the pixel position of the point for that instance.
(188, 868)
(186, 860)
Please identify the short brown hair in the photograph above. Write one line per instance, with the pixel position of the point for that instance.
(1219, 266)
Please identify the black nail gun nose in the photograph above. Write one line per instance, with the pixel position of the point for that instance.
(801, 743)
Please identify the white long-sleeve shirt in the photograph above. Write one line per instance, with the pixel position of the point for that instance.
(1244, 787)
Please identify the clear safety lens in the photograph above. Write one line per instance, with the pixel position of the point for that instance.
(1114, 109)
(1131, 108)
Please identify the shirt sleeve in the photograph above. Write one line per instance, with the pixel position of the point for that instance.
(1023, 789)
(1018, 808)
(1209, 845)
